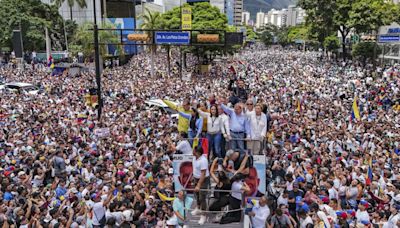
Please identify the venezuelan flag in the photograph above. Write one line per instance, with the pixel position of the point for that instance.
(369, 176)
(356, 112)
(298, 106)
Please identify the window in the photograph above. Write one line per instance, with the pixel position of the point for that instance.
(120, 8)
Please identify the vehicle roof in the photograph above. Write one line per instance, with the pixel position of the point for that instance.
(20, 84)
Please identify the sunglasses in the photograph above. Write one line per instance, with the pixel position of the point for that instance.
(249, 104)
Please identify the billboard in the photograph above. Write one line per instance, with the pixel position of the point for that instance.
(183, 171)
(183, 174)
(186, 18)
(124, 23)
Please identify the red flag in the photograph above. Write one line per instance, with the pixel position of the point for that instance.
(232, 69)
(204, 145)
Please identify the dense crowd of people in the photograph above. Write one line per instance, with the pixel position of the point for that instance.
(330, 133)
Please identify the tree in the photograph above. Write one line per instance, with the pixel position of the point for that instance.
(364, 51)
(152, 21)
(326, 17)
(331, 43)
(267, 37)
(297, 33)
(204, 17)
(71, 4)
(32, 16)
(368, 15)
(83, 39)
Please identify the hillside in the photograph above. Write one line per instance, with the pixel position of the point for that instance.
(254, 6)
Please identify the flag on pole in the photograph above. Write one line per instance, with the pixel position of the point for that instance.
(298, 106)
(355, 114)
(368, 179)
(50, 61)
(232, 69)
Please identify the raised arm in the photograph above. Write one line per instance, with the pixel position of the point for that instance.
(212, 170)
(185, 115)
(226, 109)
(203, 114)
(170, 104)
(199, 127)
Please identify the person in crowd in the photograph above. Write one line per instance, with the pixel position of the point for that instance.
(239, 187)
(258, 130)
(241, 162)
(183, 146)
(201, 179)
(259, 213)
(225, 130)
(279, 220)
(223, 183)
(239, 127)
(183, 123)
(239, 92)
(195, 124)
(214, 129)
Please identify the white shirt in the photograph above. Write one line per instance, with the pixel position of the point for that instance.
(184, 147)
(305, 222)
(392, 221)
(258, 126)
(98, 212)
(214, 124)
(200, 164)
(225, 129)
(237, 190)
(261, 215)
(333, 194)
(362, 216)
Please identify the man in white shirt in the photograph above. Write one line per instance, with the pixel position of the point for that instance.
(99, 208)
(260, 213)
(258, 130)
(362, 214)
(183, 145)
(201, 176)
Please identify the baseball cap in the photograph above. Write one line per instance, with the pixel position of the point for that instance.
(341, 214)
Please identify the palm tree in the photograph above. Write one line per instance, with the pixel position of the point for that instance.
(151, 21)
(71, 3)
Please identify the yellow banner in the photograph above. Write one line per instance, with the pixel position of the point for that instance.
(186, 18)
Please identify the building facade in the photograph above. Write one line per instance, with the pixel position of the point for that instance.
(220, 4)
(237, 11)
(245, 18)
(260, 19)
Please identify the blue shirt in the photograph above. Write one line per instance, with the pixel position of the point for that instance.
(237, 123)
(178, 207)
(60, 191)
(199, 123)
(8, 196)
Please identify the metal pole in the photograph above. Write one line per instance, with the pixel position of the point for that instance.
(180, 47)
(134, 22)
(97, 62)
(66, 37)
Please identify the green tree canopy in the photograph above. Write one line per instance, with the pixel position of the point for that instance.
(331, 43)
(83, 39)
(33, 16)
(71, 4)
(364, 51)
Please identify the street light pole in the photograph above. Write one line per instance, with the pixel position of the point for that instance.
(97, 62)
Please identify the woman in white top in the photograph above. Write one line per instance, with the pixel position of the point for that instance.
(214, 126)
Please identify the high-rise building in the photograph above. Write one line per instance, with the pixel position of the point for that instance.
(245, 17)
(220, 4)
(295, 15)
(230, 11)
(237, 11)
(78, 14)
(260, 19)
